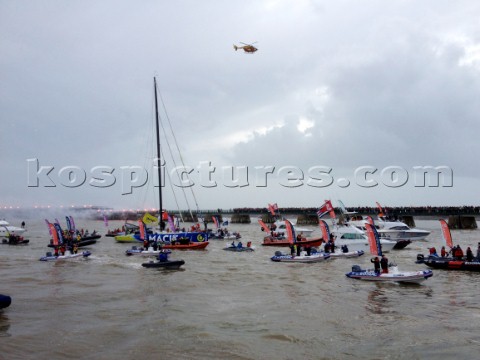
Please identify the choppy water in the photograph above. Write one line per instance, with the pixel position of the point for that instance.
(226, 305)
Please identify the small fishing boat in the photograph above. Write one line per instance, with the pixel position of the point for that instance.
(303, 258)
(392, 276)
(164, 263)
(284, 242)
(391, 273)
(188, 246)
(240, 248)
(149, 252)
(449, 263)
(84, 241)
(169, 264)
(15, 240)
(68, 255)
(5, 301)
(348, 254)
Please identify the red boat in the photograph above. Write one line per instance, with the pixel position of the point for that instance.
(189, 246)
(272, 241)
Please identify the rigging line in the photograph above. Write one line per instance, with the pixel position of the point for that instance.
(177, 173)
(178, 149)
(173, 192)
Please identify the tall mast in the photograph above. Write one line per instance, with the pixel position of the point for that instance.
(158, 155)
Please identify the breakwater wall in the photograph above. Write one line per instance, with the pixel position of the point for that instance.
(458, 217)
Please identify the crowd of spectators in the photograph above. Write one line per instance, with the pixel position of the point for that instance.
(391, 211)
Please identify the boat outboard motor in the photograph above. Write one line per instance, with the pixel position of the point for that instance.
(49, 253)
(356, 268)
(278, 253)
(420, 257)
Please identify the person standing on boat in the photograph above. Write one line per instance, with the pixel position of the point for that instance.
(384, 264)
(469, 254)
(478, 252)
(376, 264)
(458, 253)
(443, 252)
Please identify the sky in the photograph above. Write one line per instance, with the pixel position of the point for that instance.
(344, 100)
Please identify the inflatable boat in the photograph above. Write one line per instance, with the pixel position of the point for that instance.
(392, 276)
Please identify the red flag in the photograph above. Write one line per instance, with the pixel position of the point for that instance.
(325, 230)
(141, 225)
(446, 233)
(290, 232)
(264, 226)
(54, 233)
(380, 214)
(326, 208)
(373, 240)
(272, 208)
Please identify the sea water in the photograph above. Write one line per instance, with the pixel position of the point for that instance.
(231, 305)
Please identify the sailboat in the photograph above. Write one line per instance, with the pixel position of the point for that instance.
(166, 238)
(450, 263)
(393, 275)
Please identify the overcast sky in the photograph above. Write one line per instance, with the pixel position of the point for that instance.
(339, 86)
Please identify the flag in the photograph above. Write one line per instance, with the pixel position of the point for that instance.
(215, 221)
(264, 226)
(325, 230)
(373, 240)
(72, 223)
(326, 208)
(58, 230)
(53, 232)
(380, 214)
(290, 232)
(446, 233)
(171, 223)
(272, 208)
(143, 232)
(149, 219)
(48, 225)
(369, 220)
(69, 226)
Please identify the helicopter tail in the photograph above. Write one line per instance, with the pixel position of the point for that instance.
(235, 47)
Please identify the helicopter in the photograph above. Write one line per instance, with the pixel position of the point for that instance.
(248, 48)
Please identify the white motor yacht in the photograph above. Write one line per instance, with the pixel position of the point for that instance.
(392, 230)
(7, 229)
(356, 239)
